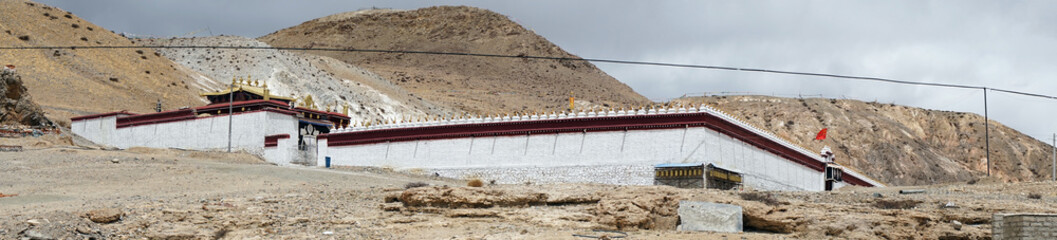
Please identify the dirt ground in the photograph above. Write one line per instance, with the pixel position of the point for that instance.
(179, 194)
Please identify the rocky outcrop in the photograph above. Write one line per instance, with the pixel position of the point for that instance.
(16, 106)
(470, 197)
(651, 208)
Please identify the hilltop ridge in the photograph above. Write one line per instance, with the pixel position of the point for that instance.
(70, 82)
(472, 84)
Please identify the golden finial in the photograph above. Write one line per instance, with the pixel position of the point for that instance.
(233, 80)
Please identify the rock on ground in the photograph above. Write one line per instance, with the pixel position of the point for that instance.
(106, 215)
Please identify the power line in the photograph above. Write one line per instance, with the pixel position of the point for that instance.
(599, 60)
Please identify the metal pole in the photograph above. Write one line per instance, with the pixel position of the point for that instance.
(987, 138)
(1055, 156)
(231, 100)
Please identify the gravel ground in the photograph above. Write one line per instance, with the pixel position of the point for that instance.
(176, 194)
(67, 192)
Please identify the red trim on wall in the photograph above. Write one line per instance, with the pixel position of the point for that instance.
(240, 104)
(276, 110)
(273, 140)
(123, 112)
(155, 118)
(593, 124)
(848, 178)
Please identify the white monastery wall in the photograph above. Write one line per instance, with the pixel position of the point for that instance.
(98, 130)
(282, 154)
(206, 133)
(614, 157)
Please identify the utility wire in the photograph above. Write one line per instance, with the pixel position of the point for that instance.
(599, 60)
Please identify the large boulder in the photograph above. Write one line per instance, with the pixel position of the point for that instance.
(712, 217)
(16, 106)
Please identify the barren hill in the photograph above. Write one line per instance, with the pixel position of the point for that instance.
(474, 84)
(896, 144)
(70, 82)
(292, 74)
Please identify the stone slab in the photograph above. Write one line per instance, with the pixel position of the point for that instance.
(710, 217)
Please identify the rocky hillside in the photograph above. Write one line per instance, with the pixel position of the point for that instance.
(16, 105)
(896, 144)
(474, 84)
(328, 81)
(69, 82)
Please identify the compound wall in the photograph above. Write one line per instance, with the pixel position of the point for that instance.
(612, 157)
(205, 133)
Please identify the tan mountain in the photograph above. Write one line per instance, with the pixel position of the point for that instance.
(896, 144)
(475, 84)
(69, 82)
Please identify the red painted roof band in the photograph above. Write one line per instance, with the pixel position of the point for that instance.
(155, 118)
(325, 113)
(239, 104)
(593, 124)
(122, 112)
(273, 140)
(130, 119)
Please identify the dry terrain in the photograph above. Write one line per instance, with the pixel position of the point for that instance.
(472, 84)
(66, 192)
(898, 145)
(71, 82)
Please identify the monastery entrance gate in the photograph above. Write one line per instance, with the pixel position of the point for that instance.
(306, 153)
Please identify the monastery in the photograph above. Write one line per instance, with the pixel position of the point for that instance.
(685, 146)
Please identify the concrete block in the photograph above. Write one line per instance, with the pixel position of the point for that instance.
(712, 217)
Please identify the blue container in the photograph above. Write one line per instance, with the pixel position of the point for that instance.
(328, 162)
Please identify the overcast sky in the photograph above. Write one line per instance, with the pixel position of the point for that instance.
(999, 44)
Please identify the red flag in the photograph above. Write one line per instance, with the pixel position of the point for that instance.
(821, 135)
